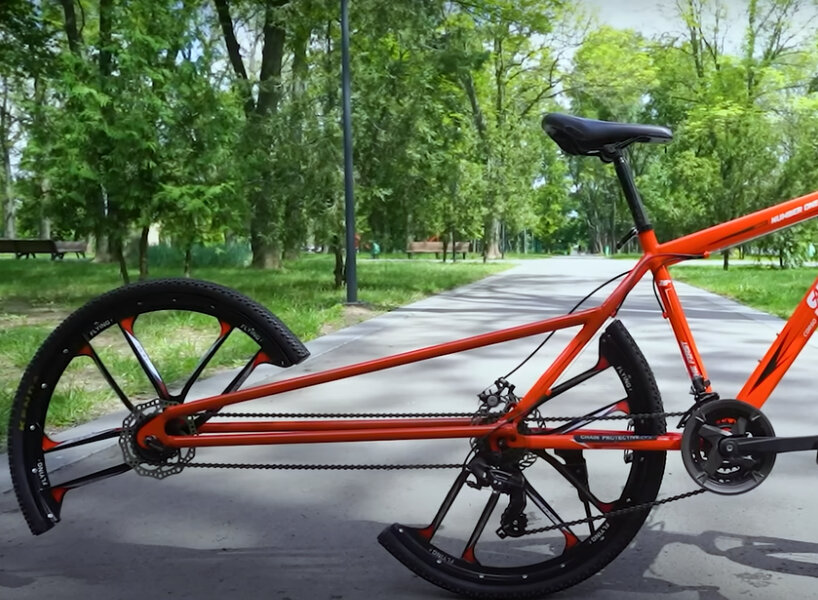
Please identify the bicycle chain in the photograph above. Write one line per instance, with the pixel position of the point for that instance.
(387, 467)
(616, 513)
(261, 415)
(318, 467)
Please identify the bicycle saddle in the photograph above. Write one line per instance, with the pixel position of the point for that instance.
(590, 137)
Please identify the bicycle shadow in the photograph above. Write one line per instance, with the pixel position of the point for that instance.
(662, 562)
(339, 569)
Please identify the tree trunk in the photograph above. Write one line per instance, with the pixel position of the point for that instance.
(72, 32)
(188, 260)
(491, 239)
(265, 228)
(143, 253)
(726, 259)
(44, 228)
(44, 223)
(263, 243)
(9, 202)
(106, 246)
(103, 247)
(119, 254)
(295, 231)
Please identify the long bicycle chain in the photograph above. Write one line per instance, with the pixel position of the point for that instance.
(386, 467)
(365, 415)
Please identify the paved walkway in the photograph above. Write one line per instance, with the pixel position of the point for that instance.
(296, 535)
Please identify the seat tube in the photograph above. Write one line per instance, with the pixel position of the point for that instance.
(673, 311)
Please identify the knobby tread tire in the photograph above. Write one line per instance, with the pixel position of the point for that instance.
(30, 405)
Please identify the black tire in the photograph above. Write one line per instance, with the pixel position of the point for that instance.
(30, 436)
(518, 570)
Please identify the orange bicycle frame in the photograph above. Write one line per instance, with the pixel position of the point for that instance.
(656, 259)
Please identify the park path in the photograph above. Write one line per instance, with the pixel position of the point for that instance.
(302, 535)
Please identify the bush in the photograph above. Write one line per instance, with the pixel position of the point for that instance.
(216, 255)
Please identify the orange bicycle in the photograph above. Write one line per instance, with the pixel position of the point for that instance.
(574, 489)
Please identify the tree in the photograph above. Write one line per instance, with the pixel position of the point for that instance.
(265, 213)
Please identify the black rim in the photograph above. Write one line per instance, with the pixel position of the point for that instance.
(559, 488)
(36, 437)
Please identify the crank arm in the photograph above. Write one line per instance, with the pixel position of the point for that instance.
(730, 447)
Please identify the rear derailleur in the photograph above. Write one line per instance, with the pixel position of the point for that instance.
(506, 478)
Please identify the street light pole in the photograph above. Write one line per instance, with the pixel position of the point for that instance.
(349, 198)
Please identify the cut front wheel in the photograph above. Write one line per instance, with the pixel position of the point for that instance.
(128, 352)
(520, 524)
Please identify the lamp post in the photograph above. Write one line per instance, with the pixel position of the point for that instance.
(349, 198)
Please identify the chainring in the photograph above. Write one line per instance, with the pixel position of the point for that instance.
(707, 426)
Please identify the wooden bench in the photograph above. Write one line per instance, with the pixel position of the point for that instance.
(76, 247)
(428, 247)
(31, 248)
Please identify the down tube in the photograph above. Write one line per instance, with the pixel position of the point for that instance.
(783, 351)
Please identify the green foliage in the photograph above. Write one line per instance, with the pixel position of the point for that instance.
(151, 114)
(220, 255)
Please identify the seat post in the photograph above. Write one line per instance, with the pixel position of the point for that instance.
(623, 171)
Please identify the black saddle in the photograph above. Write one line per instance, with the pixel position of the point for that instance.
(589, 137)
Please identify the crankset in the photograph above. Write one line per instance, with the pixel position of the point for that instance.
(713, 449)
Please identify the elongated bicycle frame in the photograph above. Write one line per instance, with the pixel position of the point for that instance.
(656, 259)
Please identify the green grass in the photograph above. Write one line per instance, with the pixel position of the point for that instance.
(526, 255)
(775, 291)
(35, 295)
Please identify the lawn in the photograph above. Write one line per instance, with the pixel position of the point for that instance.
(775, 291)
(35, 295)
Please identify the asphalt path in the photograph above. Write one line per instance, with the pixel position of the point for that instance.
(312, 535)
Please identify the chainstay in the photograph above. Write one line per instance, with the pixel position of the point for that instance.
(616, 513)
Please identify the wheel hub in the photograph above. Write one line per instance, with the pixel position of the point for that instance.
(156, 460)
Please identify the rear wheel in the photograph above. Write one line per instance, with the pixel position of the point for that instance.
(126, 354)
(480, 544)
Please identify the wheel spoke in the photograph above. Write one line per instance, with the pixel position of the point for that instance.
(570, 538)
(81, 441)
(93, 477)
(226, 330)
(259, 358)
(89, 351)
(429, 532)
(468, 551)
(582, 488)
(126, 325)
(589, 418)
